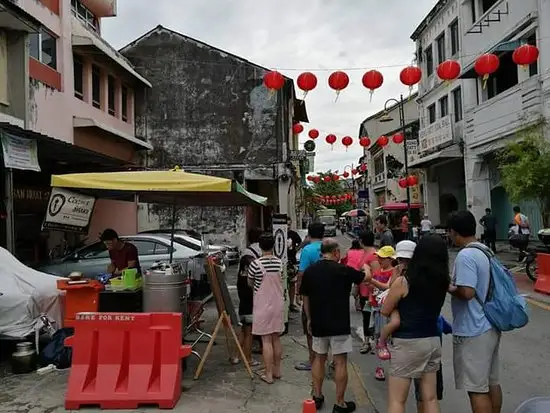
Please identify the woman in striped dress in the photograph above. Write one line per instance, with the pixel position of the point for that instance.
(265, 277)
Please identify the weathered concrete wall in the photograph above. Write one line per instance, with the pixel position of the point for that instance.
(207, 108)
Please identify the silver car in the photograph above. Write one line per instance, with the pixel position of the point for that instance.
(93, 260)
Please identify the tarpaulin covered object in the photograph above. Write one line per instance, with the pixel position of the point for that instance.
(25, 295)
(160, 187)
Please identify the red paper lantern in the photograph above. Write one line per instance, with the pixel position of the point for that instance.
(372, 80)
(330, 139)
(448, 70)
(410, 76)
(309, 178)
(307, 81)
(274, 80)
(345, 175)
(297, 128)
(398, 138)
(316, 179)
(403, 182)
(486, 65)
(354, 171)
(347, 141)
(383, 141)
(364, 142)
(335, 177)
(525, 55)
(327, 178)
(412, 180)
(313, 133)
(363, 167)
(338, 81)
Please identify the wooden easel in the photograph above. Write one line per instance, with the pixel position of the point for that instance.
(223, 320)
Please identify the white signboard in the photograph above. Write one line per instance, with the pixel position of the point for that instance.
(412, 150)
(20, 153)
(280, 234)
(69, 211)
(436, 134)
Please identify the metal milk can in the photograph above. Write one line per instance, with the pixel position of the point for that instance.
(24, 359)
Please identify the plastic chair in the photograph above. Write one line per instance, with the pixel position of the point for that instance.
(535, 405)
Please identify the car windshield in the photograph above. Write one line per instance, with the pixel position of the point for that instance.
(328, 220)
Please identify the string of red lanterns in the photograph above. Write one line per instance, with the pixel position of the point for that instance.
(449, 70)
(408, 181)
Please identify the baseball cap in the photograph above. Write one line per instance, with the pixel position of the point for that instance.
(405, 249)
(386, 252)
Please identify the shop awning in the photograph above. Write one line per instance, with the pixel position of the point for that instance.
(160, 187)
(92, 123)
(450, 152)
(398, 206)
(81, 37)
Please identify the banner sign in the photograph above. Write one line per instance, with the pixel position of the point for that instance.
(69, 211)
(436, 134)
(280, 234)
(20, 153)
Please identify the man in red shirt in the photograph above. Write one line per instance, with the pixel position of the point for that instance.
(123, 254)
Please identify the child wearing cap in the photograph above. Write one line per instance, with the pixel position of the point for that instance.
(403, 253)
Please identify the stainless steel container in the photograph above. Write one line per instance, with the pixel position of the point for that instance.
(165, 288)
(23, 361)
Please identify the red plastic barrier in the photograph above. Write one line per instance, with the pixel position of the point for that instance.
(123, 360)
(543, 273)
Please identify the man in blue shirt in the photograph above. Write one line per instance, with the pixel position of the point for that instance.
(475, 341)
(311, 253)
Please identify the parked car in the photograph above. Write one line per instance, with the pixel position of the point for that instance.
(92, 260)
(231, 252)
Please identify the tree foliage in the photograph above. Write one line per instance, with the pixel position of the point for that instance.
(524, 166)
(323, 188)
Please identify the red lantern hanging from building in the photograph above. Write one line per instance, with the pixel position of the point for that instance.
(410, 76)
(403, 182)
(345, 175)
(382, 141)
(347, 141)
(372, 80)
(525, 55)
(486, 65)
(331, 139)
(327, 178)
(398, 138)
(338, 81)
(354, 171)
(307, 81)
(363, 167)
(335, 177)
(309, 178)
(313, 133)
(364, 142)
(449, 70)
(297, 128)
(412, 180)
(316, 179)
(274, 81)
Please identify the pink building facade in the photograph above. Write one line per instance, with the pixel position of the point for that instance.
(82, 97)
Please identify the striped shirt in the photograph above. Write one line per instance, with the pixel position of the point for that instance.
(272, 266)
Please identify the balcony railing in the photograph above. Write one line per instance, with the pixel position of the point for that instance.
(505, 113)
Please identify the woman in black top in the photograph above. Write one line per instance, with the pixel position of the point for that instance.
(418, 296)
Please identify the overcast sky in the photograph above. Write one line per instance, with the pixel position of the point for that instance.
(293, 36)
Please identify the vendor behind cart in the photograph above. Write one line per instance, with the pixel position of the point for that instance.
(124, 255)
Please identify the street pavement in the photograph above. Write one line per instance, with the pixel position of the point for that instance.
(524, 358)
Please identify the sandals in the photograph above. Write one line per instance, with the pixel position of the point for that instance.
(265, 379)
(379, 374)
(383, 352)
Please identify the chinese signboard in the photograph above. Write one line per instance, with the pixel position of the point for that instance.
(412, 150)
(436, 134)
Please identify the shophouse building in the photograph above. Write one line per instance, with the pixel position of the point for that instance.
(74, 99)
(441, 135)
(513, 98)
(209, 112)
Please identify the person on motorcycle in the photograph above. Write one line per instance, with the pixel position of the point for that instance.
(521, 232)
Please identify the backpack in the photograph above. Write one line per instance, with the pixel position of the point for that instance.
(505, 309)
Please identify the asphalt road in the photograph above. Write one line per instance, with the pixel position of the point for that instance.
(524, 369)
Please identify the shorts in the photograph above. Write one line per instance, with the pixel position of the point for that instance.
(476, 361)
(304, 322)
(246, 320)
(439, 386)
(412, 357)
(335, 344)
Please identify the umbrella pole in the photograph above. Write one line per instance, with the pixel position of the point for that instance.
(173, 230)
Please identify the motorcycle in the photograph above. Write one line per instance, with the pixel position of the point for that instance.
(531, 268)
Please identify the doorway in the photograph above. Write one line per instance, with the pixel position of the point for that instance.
(447, 204)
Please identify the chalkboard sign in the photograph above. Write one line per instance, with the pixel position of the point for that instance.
(216, 278)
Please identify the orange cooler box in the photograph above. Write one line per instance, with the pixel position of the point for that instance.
(80, 297)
